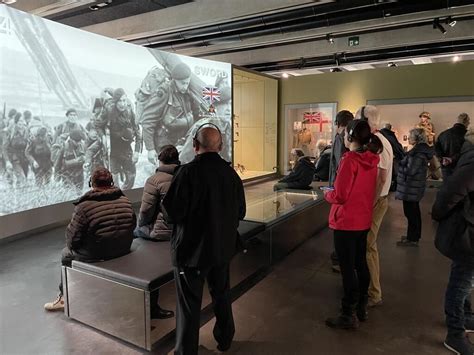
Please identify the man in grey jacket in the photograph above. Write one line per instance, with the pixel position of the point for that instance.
(338, 149)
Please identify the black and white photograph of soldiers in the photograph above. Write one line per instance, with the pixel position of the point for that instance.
(67, 109)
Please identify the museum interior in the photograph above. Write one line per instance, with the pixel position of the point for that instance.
(112, 83)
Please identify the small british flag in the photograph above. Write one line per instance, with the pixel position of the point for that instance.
(211, 94)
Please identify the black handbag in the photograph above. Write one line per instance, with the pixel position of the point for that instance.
(453, 237)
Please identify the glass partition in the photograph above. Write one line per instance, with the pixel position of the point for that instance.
(255, 124)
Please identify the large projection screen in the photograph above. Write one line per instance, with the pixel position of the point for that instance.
(71, 101)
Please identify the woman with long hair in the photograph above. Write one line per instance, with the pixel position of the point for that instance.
(352, 201)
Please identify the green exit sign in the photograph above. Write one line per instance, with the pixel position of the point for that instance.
(353, 41)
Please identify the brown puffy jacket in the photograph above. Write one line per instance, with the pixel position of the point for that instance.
(102, 225)
(150, 220)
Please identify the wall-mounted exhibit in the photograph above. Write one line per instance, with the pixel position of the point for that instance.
(308, 128)
(72, 101)
(255, 123)
(402, 113)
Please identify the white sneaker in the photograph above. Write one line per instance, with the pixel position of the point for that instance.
(56, 305)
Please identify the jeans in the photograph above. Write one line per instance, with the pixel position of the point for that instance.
(411, 209)
(457, 300)
(351, 249)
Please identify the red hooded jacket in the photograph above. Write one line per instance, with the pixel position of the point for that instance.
(353, 196)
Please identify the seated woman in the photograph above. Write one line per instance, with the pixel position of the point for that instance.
(151, 224)
(324, 161)
(301, 175)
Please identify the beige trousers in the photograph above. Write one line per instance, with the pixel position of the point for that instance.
(380, 208)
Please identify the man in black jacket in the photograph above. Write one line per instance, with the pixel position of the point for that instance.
(101, 227)
(449, 143)
(450, 199)
(398, 152)
(205, 202)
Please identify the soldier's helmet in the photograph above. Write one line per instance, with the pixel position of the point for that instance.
(180, 71)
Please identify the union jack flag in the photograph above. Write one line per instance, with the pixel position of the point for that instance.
(315, 118)
(211, 94)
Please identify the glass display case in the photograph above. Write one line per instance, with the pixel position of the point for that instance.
(272, 207)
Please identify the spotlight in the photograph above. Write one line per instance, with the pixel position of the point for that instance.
(330, 38)
(285, 75)
(391, 64)
(456, 58)
(8, 2)
(439, 26)
(450, 22)
(336, 70)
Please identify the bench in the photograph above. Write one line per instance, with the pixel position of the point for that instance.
(114, 296)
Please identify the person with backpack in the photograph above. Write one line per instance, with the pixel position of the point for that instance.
(454, 209)
(16, 142)
(38, 153)
(352, 206)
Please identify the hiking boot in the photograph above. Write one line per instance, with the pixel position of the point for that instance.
(407, 243)
(342, 322)
(459, 345)
(56, 305)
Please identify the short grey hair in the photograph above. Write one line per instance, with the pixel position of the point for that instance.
(464, 118)
(371, 113)
(418, 135)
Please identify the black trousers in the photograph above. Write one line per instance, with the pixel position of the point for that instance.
(189, 287)
(351, 249)
(411, 209)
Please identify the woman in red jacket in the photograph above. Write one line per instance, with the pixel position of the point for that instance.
(352, 201)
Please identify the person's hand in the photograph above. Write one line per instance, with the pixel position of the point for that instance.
(152, 156)
(35, 165)
(135, 158)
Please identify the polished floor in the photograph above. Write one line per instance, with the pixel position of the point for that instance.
(283, 314)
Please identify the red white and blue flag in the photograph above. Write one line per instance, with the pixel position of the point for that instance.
(315, 117)
(211, 94)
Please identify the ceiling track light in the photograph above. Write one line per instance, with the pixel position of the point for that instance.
(437, 25)
(330, 38)
(450, 22)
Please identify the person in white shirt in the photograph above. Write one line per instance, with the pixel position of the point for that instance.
(371, 114)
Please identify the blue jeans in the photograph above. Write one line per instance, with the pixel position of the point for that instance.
(457, 302)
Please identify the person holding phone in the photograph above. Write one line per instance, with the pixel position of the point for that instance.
(350, 218)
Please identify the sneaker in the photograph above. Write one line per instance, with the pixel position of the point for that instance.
(460, 346)
(342, 322)
(56, 305)
(372, 303)
(407, 243)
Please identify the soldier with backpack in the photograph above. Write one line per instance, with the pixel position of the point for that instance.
(15, 145)
(69, 164)
(38, 153)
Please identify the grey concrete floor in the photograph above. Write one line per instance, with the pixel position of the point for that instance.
(283, 314)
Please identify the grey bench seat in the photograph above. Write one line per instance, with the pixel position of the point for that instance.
(148, 265)
(114, 296)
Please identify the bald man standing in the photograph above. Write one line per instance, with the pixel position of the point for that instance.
(205, 202)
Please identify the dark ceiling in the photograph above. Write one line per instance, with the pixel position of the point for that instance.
(83, 16)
